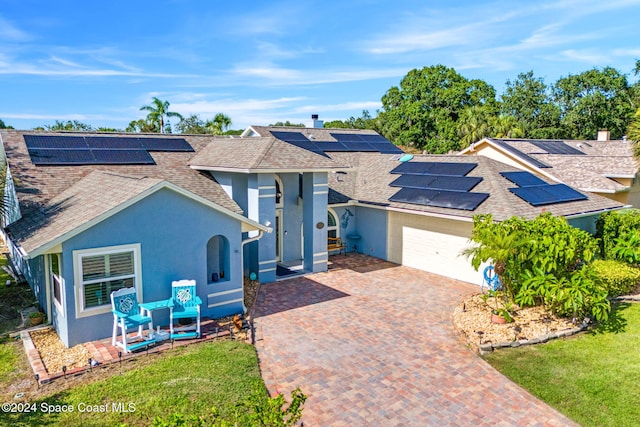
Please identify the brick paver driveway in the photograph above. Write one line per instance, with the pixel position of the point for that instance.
(372, 343)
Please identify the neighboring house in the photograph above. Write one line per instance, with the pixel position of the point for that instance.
(605, 167)
(90, 213)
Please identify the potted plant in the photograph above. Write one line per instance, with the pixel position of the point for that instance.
(499, 314)
(36, 318)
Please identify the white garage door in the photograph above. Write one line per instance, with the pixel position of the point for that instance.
(437, 253)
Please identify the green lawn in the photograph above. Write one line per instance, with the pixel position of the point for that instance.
(593, 378)
(187, 380)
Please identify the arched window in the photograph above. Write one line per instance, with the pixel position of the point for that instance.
(218, 259)
(332, 224)
(279, 193)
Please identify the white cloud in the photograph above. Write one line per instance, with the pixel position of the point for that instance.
(9, 32)
(586, 55)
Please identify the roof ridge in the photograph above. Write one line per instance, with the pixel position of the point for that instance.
(272, 141)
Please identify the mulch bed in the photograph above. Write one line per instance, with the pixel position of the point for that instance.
(473, 319)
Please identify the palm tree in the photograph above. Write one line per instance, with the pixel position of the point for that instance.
(506, 127)
(218, 125)
(473, 125)
(494, 244)
(633, 132)
(157, 112)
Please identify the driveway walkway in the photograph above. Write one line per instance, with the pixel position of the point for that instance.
(372, 343)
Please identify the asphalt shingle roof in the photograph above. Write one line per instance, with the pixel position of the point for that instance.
(589, 171)
(369, 183)
(256, 153)
(38, 187)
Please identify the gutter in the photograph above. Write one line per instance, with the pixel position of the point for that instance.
(585, 214)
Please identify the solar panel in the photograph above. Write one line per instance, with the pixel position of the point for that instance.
(375, 138)
(520, 154)
(556, 147)
(61, 157)
(358, 146)
(523, 179)
(441, 199)
(330, 146)
(548, 194)
(415, 196)
(452, 183)
(566, 193)
(122, 157)
(434, 168)
(347, 137)
(388, 149)
(55, 141)
(458, 200)
(289, 136)
(113, 142)
(307, 145)
(165, 144)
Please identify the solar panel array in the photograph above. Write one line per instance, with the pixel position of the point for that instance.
(536, 192)
(556, 147)
(437, 184)
(344, 142)
(520, 154)
(51, 150)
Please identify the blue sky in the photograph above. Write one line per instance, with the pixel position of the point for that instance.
(265, 61)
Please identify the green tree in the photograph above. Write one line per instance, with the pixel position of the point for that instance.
(158, 110)
(218, 125)
(288, 124)
(142, 126)
(528, 100)
(594, 100)
(365, 121)
(633, 133)
(3, 126)
(424, 109)
(191, 125)
(106, 129)
(72, 125)
(506, 127)
(474, 124)
(542, 261)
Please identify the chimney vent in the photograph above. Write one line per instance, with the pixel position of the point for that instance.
(317, 123)
(603, 135)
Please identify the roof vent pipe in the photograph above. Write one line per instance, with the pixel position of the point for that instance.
(317, 124)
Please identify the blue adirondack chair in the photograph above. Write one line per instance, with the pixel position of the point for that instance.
(185, 304)
(127, 314)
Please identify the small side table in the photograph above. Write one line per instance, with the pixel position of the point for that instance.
(149, 307)
(355, 238)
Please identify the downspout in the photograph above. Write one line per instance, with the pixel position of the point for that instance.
(244, 242)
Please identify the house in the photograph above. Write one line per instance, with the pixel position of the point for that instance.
(605, 167)
(383, 203)
(89, 213)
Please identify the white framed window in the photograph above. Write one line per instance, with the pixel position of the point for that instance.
(56, 280)
(100, 271)
(332, 224)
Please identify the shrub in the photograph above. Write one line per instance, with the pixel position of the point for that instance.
(617, 277)
(542, 261)
(615, 225)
